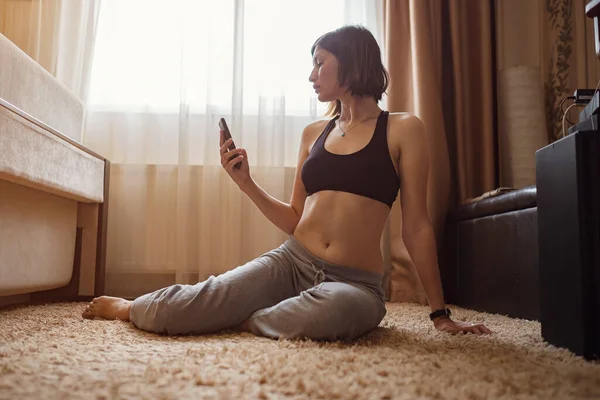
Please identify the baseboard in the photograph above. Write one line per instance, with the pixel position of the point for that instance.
(15, 299)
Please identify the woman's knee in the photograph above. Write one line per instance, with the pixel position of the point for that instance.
(319, 314)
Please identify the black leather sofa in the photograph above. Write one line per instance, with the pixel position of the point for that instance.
(489, 261)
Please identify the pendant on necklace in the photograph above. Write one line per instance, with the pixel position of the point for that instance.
(343, 134)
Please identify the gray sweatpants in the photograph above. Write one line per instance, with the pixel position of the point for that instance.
(287, 292)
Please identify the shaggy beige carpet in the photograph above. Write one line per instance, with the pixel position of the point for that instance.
(50, 352)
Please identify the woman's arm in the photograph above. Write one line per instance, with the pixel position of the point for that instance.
(417, 230)
(284, 216)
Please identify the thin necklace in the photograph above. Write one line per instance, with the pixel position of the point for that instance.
(348, 130)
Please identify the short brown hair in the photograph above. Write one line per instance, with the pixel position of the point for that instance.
(360, 66)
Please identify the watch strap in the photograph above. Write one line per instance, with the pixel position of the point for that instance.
(440, 313)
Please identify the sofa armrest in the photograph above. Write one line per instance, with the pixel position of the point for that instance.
(506, 202)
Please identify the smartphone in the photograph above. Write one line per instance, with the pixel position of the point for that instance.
(224, 128)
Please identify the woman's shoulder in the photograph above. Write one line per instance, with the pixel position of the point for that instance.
(405, 124)
(315, 128)
(405, 129)
(320, 123)
(404, 118)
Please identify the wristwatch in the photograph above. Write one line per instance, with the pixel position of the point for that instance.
(440, 313)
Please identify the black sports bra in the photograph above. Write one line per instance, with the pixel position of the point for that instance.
(368, 172)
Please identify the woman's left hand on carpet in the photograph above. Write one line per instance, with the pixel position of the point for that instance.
(447, 325)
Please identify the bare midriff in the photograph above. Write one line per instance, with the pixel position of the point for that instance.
(343, 228)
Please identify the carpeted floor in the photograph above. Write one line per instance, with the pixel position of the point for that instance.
(50, 352)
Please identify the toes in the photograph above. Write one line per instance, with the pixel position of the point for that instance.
(87, 315)
(89, 310)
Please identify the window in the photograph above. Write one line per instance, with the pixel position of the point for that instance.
(155, 56)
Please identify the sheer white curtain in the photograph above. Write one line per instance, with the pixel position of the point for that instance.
(163, 74)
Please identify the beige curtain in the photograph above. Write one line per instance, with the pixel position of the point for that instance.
(58, 34)
(439, 58)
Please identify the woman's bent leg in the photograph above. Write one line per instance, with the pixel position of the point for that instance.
(219, 302)
(329, 311)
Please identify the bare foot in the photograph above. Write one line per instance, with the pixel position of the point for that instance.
(106, 307)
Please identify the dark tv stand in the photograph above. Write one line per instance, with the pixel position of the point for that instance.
(568, 202)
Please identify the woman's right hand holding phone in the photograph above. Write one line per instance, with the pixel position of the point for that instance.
(229, 158)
